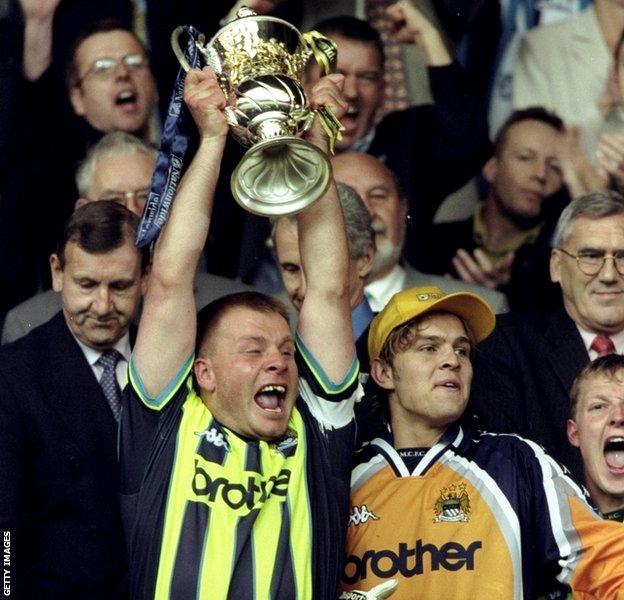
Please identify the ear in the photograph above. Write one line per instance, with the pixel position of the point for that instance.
(365, 262)
(204, 374)
(145, 280)
(490, 168)
(555, 266)
(80, 202)
(573, 434)
(77, 101)
(382, 373)
(57, 273)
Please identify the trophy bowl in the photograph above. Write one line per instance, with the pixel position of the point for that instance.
(259, 61)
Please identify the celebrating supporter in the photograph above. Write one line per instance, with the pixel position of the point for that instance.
(236, 438)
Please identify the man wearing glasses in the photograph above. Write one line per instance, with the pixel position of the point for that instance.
(108, 86)
(524, 371)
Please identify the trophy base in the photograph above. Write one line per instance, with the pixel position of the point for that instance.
(280, 176)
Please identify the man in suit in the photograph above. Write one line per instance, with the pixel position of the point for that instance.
(433, 149)
(379, 189)
(524, 371)
(360, 238)
(59, 407)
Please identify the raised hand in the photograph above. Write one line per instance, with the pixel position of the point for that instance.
(206, 102)
(478, 268)
(327, 92)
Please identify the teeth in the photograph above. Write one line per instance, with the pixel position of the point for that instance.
(125, 95)
(274, 388)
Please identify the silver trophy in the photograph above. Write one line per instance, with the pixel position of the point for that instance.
(259, 61)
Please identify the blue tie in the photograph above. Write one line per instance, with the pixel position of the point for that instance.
(108, 361)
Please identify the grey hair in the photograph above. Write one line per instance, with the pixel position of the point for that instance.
(594, 205)
(358, 222)
(112, 144)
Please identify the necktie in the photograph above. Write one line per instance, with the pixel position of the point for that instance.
(397, 97)
(108, 361)
(603, 345)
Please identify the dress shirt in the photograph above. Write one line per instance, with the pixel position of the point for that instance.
(121, 370)
(381, 290)
(588, 338)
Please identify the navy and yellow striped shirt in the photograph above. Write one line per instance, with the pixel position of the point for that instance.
(212, 515)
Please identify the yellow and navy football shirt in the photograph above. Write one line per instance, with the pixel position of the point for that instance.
(212, 515)
(489, 516)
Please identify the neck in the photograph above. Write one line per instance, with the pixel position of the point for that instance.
(499, 228)
(604, 502)
(410, 432)
(610, 15)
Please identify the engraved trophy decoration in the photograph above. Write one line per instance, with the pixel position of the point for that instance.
(259, 61)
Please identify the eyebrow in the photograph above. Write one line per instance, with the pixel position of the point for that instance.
(439, 339)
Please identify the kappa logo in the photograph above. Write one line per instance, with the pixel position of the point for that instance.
(453, 505)
(214, 436)
(361, 514)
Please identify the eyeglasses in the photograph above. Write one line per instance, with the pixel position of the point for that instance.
(127, 198)
(105, 67)
(590, 262)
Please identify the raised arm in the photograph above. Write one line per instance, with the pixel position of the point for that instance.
(166, 335)
(38, 20)
(325, 318)
(412, 27)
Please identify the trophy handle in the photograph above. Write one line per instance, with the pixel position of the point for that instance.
(175, 45)
(323, 49)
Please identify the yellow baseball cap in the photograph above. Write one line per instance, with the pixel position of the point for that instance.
(416, 301)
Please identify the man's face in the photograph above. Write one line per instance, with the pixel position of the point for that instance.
(374, 183)
(361, 64)
(293, 277)
(121, 100)
(598, 430)
(100, 293)
(251, 384)
(123, 178)
(526, 170)
(595, 302)
(429, 382)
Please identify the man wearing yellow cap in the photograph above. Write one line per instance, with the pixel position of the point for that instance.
(451, 513)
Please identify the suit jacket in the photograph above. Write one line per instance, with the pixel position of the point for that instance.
(414, 278)
(564, 67)
(58, 474)
(31, 313)
(522, 378)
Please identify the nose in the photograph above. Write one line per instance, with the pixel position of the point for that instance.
(350, 88)
(102, 301)
(608, 272)
(540, 171)
(450, 360)
(301, 288)
(276, 361)
(617, 414)
(121, 70)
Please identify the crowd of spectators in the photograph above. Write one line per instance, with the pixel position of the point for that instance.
(458, 367)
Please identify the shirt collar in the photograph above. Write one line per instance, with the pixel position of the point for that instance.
(528, 236)
(364, 143)
(588, 338)
(122, 346)
(381, 290)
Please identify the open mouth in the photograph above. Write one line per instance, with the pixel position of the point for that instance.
(126, 98)
(614, 453)
(271, 398)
